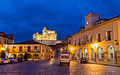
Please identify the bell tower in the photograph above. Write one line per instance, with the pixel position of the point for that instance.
(90, 20)
(44, 31)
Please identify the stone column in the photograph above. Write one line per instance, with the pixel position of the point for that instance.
(105, 57)
(118, 57)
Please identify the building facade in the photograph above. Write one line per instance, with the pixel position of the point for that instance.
(48, 37)
(5, 40)
(98, 41)
(35, 50)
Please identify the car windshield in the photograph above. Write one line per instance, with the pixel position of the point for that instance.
(65, 57)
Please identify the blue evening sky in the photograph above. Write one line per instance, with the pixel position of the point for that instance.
(25, 17)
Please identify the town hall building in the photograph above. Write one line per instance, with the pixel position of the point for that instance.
(98, 41)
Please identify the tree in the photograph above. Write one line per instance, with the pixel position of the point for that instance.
(3, 54)
(26, 56)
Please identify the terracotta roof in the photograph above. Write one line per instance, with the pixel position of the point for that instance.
(29, 42)
(102, 19)
(2, 34)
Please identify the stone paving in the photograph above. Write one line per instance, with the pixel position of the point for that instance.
(51, 67)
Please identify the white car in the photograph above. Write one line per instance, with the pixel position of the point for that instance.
(64, 59)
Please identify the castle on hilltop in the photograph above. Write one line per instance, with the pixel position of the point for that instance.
(48, 37)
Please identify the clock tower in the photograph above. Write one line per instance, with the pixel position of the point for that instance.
(90, 20)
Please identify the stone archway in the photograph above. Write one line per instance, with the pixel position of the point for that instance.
(21, 56)
(75, 55)
(29, 56)
(86, 54)
(36, 56)
(92, 54)
(80, 54)
(111, 57)
(100, 54)
(14, 55)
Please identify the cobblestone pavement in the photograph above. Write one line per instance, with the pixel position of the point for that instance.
(51, 67)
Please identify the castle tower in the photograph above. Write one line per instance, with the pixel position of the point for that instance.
(44, 31)
(90, 20)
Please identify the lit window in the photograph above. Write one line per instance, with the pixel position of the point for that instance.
(108, 35)
(87, 22)
(90, 39)
(99, 38)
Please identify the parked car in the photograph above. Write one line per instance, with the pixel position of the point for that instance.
(16, 60)
(4, 60)
(83, 60)
(1, 61)
(20, 59)
(12, 60)
(64, 59)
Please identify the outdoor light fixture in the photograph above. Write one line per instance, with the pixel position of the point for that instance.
(61, 49)
(95, 45)
(2, 48)
(71, 48)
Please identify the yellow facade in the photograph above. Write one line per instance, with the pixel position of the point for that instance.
(36, 51)
(98, 43)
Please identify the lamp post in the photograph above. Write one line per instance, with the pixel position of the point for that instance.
(95, 46)
(71, 50)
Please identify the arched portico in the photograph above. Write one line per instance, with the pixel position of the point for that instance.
(86, 53)
(111, 57)
(80, 54)
(21, 56)
(14, 55)
(36, 56)
(29, 56)
(92, 54)
(75, 55)
(100, 54)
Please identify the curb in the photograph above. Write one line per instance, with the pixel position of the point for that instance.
(105, 64)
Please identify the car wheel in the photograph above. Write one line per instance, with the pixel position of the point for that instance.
(2, 63)
(60, 64)
(68, 64)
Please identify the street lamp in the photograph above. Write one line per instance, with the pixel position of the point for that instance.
(95, 46)
(2, 48)
(71, 48)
